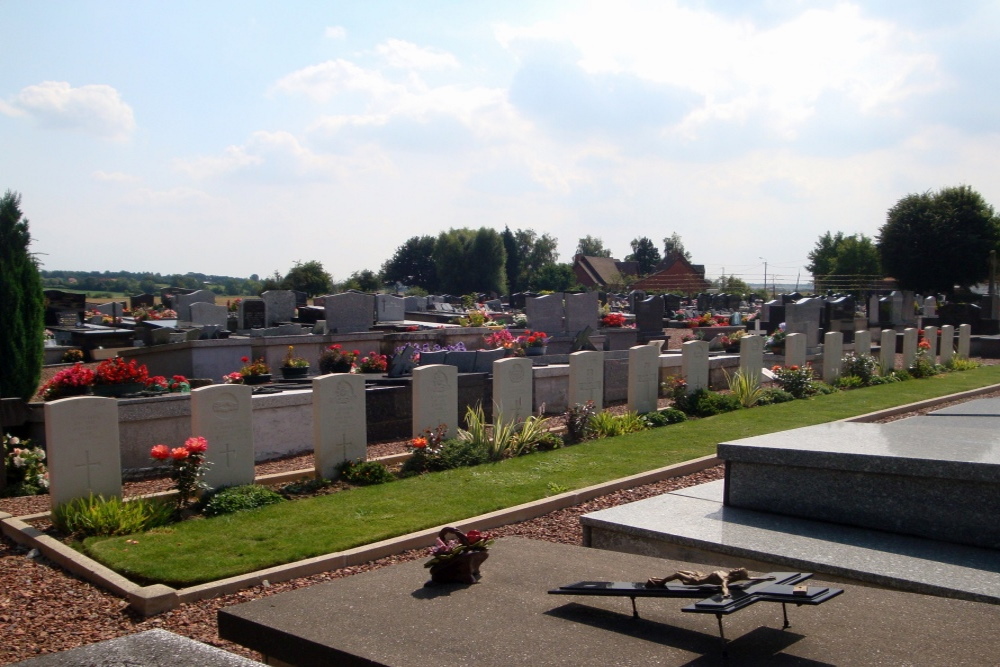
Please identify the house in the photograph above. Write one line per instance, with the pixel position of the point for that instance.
(599, 272)
(675, 274)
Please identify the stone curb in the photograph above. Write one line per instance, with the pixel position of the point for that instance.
(919, 405)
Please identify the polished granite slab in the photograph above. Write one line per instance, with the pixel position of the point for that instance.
(981, 407)
(693, 523)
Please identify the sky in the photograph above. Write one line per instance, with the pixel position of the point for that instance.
(239, 137)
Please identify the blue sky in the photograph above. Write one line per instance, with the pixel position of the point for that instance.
(239, 137)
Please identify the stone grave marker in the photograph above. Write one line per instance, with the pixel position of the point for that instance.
(803, 317)
(209, 314)
(349, 312)
(182, 302)
(389, 308)
(931, 334)
(947, 343)
(649, 316)
(909, 346)
(512, 389)
(582, 310)
(671, 303)
(582, 341)
(752, 356)
(643, 379)
(833, 354)
(141, 301)
(222, 414)
(435, 399)
(63, 308)
(251, 314)
(873, 310)
(545, 313)
(863, 343)
(964, 340)
(402, 364)
(657, 345)
(634, 298)
(930, 307)
(279, 306)
(415, 304)
(795, 350)
(82, 448)
(887, 350)
(301, 298)
(339, 426)
(112, 308)
(694, 364)
(586, 378)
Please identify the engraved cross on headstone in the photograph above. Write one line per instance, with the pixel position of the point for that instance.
(227, 451)
(87, 465)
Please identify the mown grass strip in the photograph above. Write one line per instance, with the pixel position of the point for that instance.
(205, 550)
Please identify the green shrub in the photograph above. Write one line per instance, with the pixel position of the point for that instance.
(240, 499)
(774, 395)
(849, 382)
(796, 381)
(745, 388)
(608, 425)
(502, 439)
(705, 403)
(96, 516)
(960, 364)
(863, 367)
(578, 422)
(923, 366)
(664, 417)
(26, 472)
(548, 441)
(365, 473)
(304, 486)
(449, 454)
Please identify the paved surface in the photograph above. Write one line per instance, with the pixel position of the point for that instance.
(388, 617)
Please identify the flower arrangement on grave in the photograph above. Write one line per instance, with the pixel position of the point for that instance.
(154, 313)
(425, 449)
(177, 384)
(776, 341)
(374, 362)
(68, 382)
(697, 335)
(256, 367)
(291, 361)
(72, 356)
(117, 371)
(26, 471)
(500, 338)
(458, 560)
(474, 318)
(708, 320)
(613, 320)
(335, 359)
(532, 339)
(157, 383)
(188, 467)
(233, 378)
(796, 380)
(49, 337)
(233, 306)
(731, 342)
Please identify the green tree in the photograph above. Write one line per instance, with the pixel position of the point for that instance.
(413, 264)
(513, 265)
(470, 260)
(309, 277)
(672, 245)
(591, 246)
(856, 265)
(645, 253)
(22, 317)
(531, 253)
(365, 280)
(823, 257)
(732, 285)
(554, 277)
(932, 242)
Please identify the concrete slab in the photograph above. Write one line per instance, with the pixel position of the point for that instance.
(694, 524)
(987, 407)
(153, 648)
(387, 617)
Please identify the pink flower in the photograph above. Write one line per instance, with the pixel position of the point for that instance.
(161, 452)
(178, 453)
(196, 445)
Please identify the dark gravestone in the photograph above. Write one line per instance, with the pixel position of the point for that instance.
(311, 314)
(252, 314)
(649, 315)
(63, 308)
(582, 342)
(141, 301)
(704, 301)
(791, 298)
(464, 361)
(402, 363)
(485, 359)
(301, 298)
(435, 357)
(671, 303)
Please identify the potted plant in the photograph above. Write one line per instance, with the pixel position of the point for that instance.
(533, 342)
(613, 321)
(255, 372)
(335, 359)
(74, 381)
(115, 377)
(458, 560)
(776, 341)
(374, 363)
(293, 367)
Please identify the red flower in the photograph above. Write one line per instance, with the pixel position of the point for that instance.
(541, 334)
(473, 536)
(245, 359)
(793, 368)
(531, 339)
(160, 452)
(178, 453)
(196, 445)
(418, 443)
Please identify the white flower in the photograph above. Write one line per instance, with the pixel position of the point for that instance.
(15, 441)
(18, 462)
(40, 453)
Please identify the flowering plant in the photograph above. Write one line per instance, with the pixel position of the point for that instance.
(156, 313)
(708, 320)
(233, 378)
(374, 363)
(26, 472)
(257, 367)
(188, 466)
(72, 356)
(533, 338)
(234, 305)
(797, 381)
(291, 361)
(67, 382)
(157, 383)
(443, 551)
(335, 359)
(777, 339)
(117, 371)
(614, 320)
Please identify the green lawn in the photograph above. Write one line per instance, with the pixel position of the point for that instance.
(208, 549)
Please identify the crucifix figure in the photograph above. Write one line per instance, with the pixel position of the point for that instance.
(718, 578)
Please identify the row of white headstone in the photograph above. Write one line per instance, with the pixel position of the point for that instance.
(82, 439)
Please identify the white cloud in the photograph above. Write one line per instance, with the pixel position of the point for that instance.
(406, 55)
(325, 80)
(114, 177)
(335, 32)
(94, 108)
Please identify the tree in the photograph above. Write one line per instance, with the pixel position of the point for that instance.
(591, 246)
(732, 285)
(823, 257)
(856, 265)
(553, 277)
(932, 242)
(470, 260)
(513, 265)
(645, 253)
(530, 253)
(22, 316)
(672, 245)
(413, 264)
(365, 280)
(310, 278)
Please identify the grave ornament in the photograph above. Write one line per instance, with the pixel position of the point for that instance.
(720, 578)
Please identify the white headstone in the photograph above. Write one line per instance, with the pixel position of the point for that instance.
(657, 345)
(887, 352)
(643, 379)
(586, 378)
(339, 424)
(833, 354)
(435, 399)
(752, 356)
(694, 364)
(931, 334)
(930, 307)
(222, 415)
(209, 314)
(512, 389)
(964, 340)
(863, 343)
(82, 449)
(795, 350)
(909, 346)
(947, 343)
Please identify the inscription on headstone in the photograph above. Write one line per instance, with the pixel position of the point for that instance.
(222, 414)
(435, 399)
(339, 427)
(82, 446)
(512, 389)
(643, 378)
(251, 314)
(586, 378)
